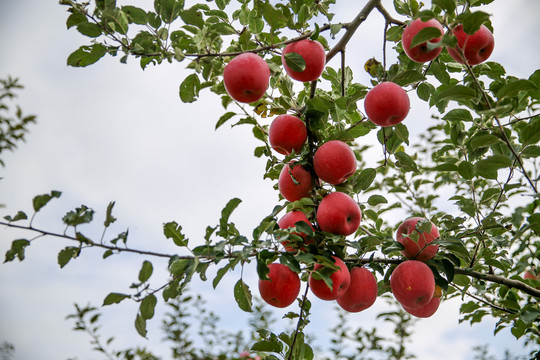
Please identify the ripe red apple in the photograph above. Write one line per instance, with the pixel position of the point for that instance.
(420, 53)
(289, 220)
(417, 250)
(412, 284)
(426, 310)
(294, 182)
(362, 291)
(338, 213)
(246, 77)
(341, 279)
(282, 288)
(287, 133)
(334, 162)
(476, 47)
(314, 56)
(387, 104)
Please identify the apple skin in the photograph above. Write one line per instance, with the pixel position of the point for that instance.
(338, 213)
(387, 104)
(362, 291)
(412, 284)
(246, 77)
(412, 249)
(288, 188)
(282, 288)
(425, 311)
(287, 133)
(314, 55)
(420, 53)
(334, 162)
(477, 47)
(341, 279)
(289, 220)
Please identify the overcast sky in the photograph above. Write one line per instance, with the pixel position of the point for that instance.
(112, 132)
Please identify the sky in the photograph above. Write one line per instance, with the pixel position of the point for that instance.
(112, 132)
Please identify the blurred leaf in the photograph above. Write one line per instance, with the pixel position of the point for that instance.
(189, 88)
(17, 250)
(146, 271)
(114, 298)
(424, 35)
(376, 200)
(66, 254)
(473, 20)
(148, 305)
(173, 231)
(41, 200)
(86, 55)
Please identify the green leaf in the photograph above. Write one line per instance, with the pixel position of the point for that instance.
(81, 215)
(376, 200)
(408, 77)
(487, 168)
(466, 170)
(135, 15)
(447, 5)
(227, 211)
(140, 325)
(192, 16)
(424, 91)
(531, 151)
(513, 88)
(86, 55)
(268, 345)
(289, 260)
(66, 254)
(224, 118)
(75, 19)
(89, 29)
(456, 93)
(220, 273)
(295, 61)
(223, 28)
(114, 298)
(173, 231)
(189, 88)
(424, 35)
(473, 20)
(484, 140)
(20, 215)
(365, 178)
(148, 306)
(17, 250)
(109, 219)
(146, 271)
(402, 133)
(242, 295)
(41, 200)
(405, 162)
(458, 115)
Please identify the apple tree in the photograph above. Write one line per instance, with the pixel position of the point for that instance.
(468, 186)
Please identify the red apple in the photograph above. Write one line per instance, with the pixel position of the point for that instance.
(417, 249)
(532, 275)
(477, 47)
(412, 284)
(387, 104)
(426, 310)
(420, 53)
(314, 56)
(282, 288)
(246, 77)
(294, 182)
(338, 213)
(334, 162)
(287, 133)
(362, 291)
(341, 279)
(288, 221)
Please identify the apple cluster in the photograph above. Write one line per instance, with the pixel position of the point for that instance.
(246, 79)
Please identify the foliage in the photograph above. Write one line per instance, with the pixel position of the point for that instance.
(474, 173)
(13, 128)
